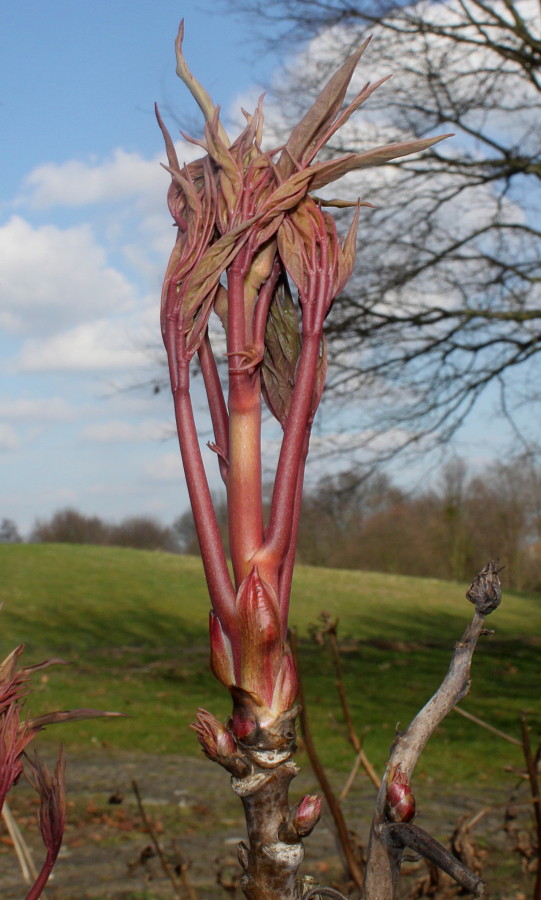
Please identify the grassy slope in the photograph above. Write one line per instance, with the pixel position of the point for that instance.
(133, 625)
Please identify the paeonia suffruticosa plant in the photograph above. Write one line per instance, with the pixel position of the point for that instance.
(258, 251)
(17, 731)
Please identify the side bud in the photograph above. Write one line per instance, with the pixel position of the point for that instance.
(221, 657)
(219, 744)
(306, 815)
(400, 802)
(286, 684)
(214, 738)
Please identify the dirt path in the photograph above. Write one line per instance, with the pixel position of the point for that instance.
(107, 854)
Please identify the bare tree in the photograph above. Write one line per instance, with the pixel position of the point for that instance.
(456, 308)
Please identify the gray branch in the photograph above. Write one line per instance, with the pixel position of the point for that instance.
(384, 855)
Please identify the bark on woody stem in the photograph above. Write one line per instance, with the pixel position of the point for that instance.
(391, 830)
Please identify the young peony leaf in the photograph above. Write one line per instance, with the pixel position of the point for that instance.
(198, 92)
(325, 172)
(321, 114)
(70, 715)
(52, 812)
(282, 351)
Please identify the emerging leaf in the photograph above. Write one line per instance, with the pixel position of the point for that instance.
(282, 351)
(317, 120)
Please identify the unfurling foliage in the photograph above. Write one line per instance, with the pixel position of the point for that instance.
(17, 731)
(248, 229)
(256, 248)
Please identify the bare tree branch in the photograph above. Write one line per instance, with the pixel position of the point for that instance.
(446, 302)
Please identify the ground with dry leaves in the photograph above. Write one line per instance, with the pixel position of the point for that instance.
(107, 852)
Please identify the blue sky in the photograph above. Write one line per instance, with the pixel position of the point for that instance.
(84, 238)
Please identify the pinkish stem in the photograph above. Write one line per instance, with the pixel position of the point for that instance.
(263, 303)
(40, 883)
(244, 477)
(278, 536)
(291, 459)
(217, 405)
(286, 571)
(208, 533)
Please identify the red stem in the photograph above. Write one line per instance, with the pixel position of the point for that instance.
(40, 883)
(216, 401)
(286, 571)
(264, 301)
(208, 533)
(290, 462)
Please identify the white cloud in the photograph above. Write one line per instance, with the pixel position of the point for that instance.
(9, 439)
(53, 277)
(103, 345)
(78, 183)
(168, 467)
(122, 432)
(123, 176)
(45, 409)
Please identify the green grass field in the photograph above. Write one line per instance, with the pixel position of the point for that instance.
(133, 626)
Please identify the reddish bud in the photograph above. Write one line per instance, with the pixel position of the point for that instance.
(400, 800)
(307, 813)
(261, 636)
(249, 712)
(221, 657)
(217, 742)
(243, 725)
(285, 689)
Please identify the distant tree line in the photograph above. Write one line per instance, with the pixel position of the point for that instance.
(446, 531)
(68, 526)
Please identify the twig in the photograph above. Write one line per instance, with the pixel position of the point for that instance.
(354, 869)
(330, 631)
(483, 724)
(384, 855)
(323, 892)
(534, 788)
(408, 835)
(351, 778)
(183, 872)
(157, 846)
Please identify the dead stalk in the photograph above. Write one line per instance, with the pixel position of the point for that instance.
(531, 768)
(352, 862)
(150, 830)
